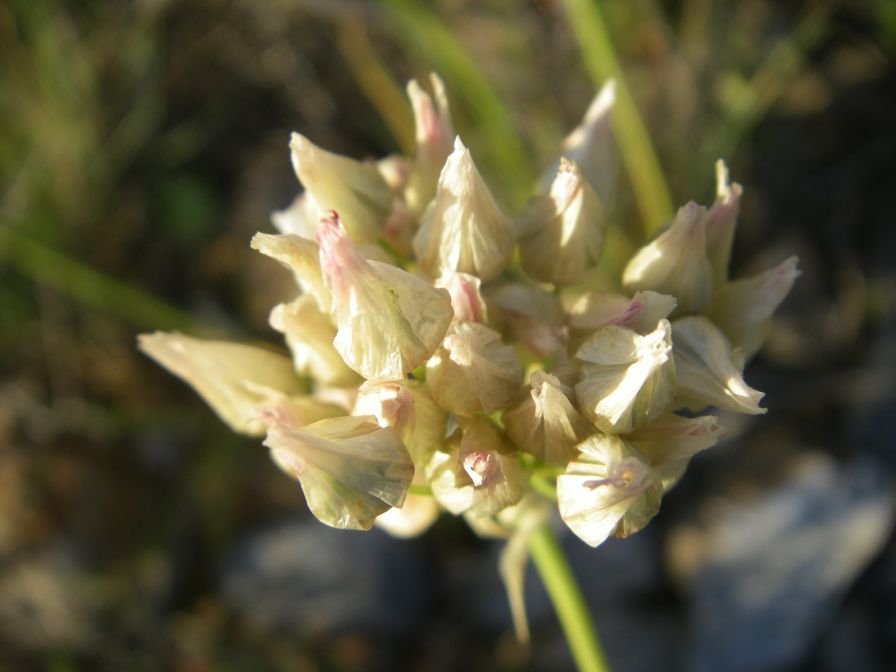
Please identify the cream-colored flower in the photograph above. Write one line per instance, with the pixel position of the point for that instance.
(670, 442)
(463, 229)
(299, 255)
(743, 309)
(628, 380)
(590, 145)
(388, 321)
(545, 423)
(309, 334)
(406, 406)
(350, 469)
(477, 472)
(466, 297)
(561, 235)
(608, 489)
(721, 221)
(675, 262)
(528, 315)
(473, 371)
(234, 379)
(357, 191)
(640, 313)
(709, 372)
(434, 135)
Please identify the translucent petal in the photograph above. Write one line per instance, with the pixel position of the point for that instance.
(743, 309)
(561, 235)
(721, 221)
(628, 380)
(675, 262)
(670, 442)
(477, 472)
(709, 373)
(351, 469)
(608, 489)
(473, 371)
(356, 190)
(231, 377)
(466, 297)
(299, 255)
(546, 424)
(309, 334)
(463, 229)
(640, 313)
(434, 135)
(388, 321)
(529, 315)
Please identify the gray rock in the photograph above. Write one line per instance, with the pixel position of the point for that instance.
(772, 571)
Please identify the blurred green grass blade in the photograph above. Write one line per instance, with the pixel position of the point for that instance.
(376, 83)
(638, 156)
(424, 33)
(92, 288)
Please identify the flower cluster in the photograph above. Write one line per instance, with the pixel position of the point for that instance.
(432, 368)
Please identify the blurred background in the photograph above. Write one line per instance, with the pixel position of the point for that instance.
(142, 143)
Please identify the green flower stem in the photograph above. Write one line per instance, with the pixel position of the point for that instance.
(564, 592)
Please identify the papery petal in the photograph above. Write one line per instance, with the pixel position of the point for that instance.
(350, 469)
(434, 135)
(388, 321)
(309, 334)
(561, 235)
(590, 145)
(608, 489)
(546, 424)
(356, 190)
(477, 472)
(473, 371)
(406, 406)
(628, 380)
(640, 313)
(528, 315)
(721, 221)
(743, 309)
(463, 229)
(675, 262)
(299, 255)
(231, 377)
(466, 297)
(300, 218)
(709, 374)
(670, 442)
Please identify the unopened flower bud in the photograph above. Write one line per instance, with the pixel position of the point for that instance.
(709, 372)
(590, 145)
(628, 380)
(388, 321)
(299, 255)
(355, 189)
(477, 472)
(546, 424)
(434, 135)
(640, 313)
(671, 441)
(463, 229)
(561, 235)
(743, 309)
(309, 334)
(473, 371)
(350, 469)
(529, 315)
(721, 221)
(234, 379)
(675, 262)
(608, 489)
(466, 298)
